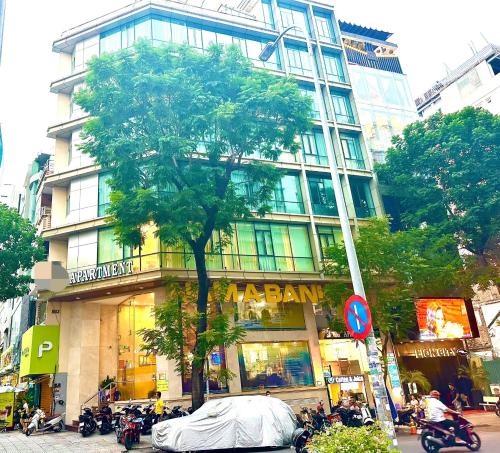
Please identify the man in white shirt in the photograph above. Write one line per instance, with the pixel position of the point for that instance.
(436, 410)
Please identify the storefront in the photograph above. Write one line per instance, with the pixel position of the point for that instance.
(345, 387)
(100, 338)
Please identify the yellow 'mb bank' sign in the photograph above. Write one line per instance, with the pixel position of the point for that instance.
(40, 351)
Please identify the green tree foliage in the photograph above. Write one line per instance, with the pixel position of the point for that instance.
(20, 249)
(415, 377)
(344, 439)
(173, 126)
(396, 268)
(445, 172)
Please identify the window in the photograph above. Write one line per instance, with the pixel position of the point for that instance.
(253, 50)
(104, 193)
(108, 249)
(298, 61)
(83, 52)
(294, 16)
(288, 196)
(142, 29)
(322, 196)
(352, 152)
(75, 110)
(328, 236)
(216, 363)
(324, 25)
(269, 314)
(362, 198)
(342, 107)
(82, 199)
(76, 158)
(314, 148)
(334, 68)
(111, 40)
(264, 13)
(82, 251)
(271, 365)
(315, 107)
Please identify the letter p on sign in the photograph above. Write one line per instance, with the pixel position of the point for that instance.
(44, 347)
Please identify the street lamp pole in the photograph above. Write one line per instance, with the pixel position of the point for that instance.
(377, 379)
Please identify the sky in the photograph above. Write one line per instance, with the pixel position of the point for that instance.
(430, 35)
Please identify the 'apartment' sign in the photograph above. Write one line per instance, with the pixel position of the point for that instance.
(101, 272)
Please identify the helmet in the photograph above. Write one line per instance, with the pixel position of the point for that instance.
(435, 394)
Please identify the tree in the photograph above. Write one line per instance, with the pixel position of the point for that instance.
(444, 172)
(176, 324)
(175, 127)
(396, 268)
(20, 249)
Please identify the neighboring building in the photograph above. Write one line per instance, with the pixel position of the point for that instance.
(381, 89)
(9, 195)
(111, 292)
(476, 82)
(18, 315)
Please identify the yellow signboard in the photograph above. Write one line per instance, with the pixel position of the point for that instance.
(161, 385)
(7, 408)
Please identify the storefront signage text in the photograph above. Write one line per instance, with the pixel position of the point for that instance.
(101, 272)
(424, 353)
(429, 350)
(273, 293)
(344, 379)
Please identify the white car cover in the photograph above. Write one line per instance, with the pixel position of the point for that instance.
(231, 422)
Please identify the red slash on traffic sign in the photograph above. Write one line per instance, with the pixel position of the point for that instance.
(357, 316)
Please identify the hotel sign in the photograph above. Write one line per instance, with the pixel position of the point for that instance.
(101, 272)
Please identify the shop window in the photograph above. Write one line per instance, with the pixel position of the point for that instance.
(351, 148)
(314, 147)
(136, 377)
(216, 364)
(322, 196)
(362, 198)
(270, 315)
(271, 365)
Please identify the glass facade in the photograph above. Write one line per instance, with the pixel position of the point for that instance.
(272, 365)
(104, 194)
(334, 68)
(136, 378)
(294, 15)
(322, 196)
(76, 158)
(351, 148)
(342, 107)
(309, 91)
(82, 250)
(362, 197)
(328, 236)
(83, 52)
(75, 110)
(314, 148)
(82, 199)
(324, 25)
(298, 60)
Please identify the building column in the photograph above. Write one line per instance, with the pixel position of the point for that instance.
(312, 329)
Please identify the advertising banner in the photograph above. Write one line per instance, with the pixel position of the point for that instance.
(443, 318)
(7, 408)
(40, 351)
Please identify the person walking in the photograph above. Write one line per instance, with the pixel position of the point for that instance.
(159, 406)
(25, 415)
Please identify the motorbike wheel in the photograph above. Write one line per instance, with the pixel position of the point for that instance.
(497, 412)
(59, 427)
(475, 445)
(84, 432)
(426, 445)
(29, 431)
(128, 441)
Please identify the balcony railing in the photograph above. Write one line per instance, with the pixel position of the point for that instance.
(44, 218)
(217, 261)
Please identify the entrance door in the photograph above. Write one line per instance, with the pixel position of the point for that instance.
(136, 371)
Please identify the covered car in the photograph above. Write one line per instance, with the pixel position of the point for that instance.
(231, 422)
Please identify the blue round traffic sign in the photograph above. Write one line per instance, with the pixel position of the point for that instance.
(357, 317)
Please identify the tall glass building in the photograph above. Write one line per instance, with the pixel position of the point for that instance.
(274, 264)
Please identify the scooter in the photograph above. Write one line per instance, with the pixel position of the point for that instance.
(434, 436)
(149, 419)
(104, 420)
(39, 423)
(129, 428)
(300, 438)
(87, 424)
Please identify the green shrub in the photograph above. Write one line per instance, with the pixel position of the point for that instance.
(344, 439)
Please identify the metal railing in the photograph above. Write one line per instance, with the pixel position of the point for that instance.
(96, 395)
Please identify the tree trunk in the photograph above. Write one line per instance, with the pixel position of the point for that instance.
(198, 371)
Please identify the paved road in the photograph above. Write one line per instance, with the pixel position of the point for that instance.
(487, 425)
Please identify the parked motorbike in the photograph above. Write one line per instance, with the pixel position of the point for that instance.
(405, 416)
(497, 409)
(178, 411)
(40, 423)
(104, 420)
(300, 438)
(86, 422)
(128, 430)
(149, 418)
(434, 436)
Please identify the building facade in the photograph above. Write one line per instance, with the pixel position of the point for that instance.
(273, 264)
(381, 90)
(476, 83)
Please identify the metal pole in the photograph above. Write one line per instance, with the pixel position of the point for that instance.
(376, 375)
